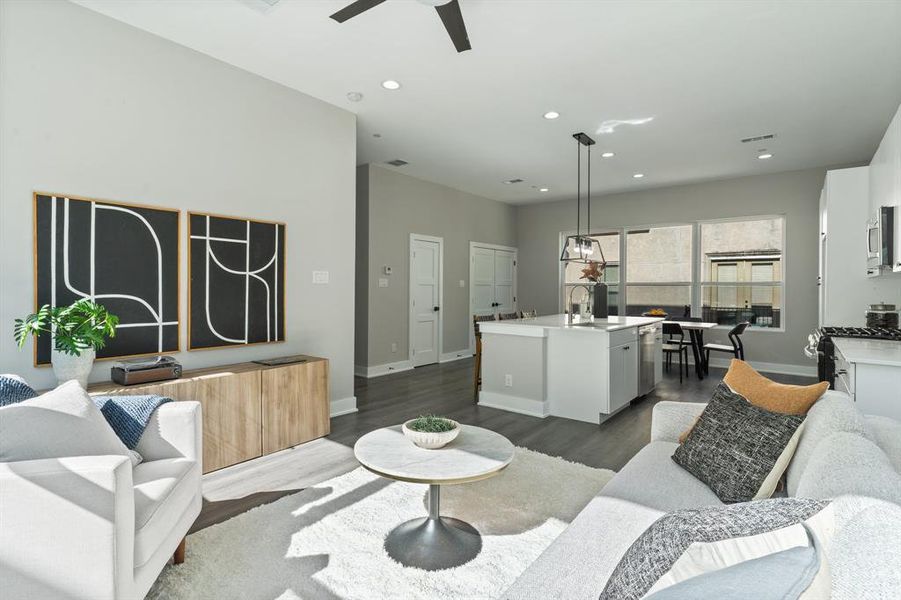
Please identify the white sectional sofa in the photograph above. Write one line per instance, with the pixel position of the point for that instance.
(93, 527)
(842, 454)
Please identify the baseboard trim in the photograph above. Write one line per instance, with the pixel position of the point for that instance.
(343, 406)
(447, 357)
(386, 369)
(768, 367)
(516, 404)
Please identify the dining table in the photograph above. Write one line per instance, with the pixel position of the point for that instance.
(695, 331)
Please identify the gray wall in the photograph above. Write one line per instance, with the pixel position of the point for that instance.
(794, 194)
(96, 108)
(361, 268)
(398, 206)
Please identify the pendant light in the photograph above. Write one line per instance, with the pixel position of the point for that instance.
(581, 248)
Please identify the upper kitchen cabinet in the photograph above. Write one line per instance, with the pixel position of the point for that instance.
(885, 180)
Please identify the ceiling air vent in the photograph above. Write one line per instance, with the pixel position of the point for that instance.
(759, 138)
(509, 181)
(263, 6)
(397, 162)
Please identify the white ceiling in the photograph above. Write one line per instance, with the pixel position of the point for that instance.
(824, 76)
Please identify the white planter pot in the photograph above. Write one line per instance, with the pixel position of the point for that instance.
(430, 440)
(66, 366)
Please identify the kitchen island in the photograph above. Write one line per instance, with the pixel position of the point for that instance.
(585, 370)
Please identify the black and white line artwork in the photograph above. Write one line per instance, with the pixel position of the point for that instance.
(122, 256)
(237, 281)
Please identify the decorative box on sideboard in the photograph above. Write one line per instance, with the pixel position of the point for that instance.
(248, 409)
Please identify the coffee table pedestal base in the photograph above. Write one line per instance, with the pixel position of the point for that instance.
(434, 542)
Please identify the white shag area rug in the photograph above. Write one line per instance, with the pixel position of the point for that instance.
(326, 542)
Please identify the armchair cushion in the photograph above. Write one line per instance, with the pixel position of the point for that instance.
(62, 422)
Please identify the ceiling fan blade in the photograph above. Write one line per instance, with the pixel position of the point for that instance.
(353, 9)
(453, 21)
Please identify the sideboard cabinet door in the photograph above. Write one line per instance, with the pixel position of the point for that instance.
(295, 404)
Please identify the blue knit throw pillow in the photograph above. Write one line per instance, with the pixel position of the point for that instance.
(13, 389)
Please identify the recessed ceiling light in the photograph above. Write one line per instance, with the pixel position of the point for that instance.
(608, 155)
(354, 96)
(390, 84)
(765, 155)
(543, 189)
(638, 175)
(551, 114)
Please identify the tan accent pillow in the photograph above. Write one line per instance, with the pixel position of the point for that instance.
(767, 394)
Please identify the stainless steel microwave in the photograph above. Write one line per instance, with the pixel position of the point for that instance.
(880, 237)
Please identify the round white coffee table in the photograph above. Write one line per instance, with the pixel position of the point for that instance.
(434, 542)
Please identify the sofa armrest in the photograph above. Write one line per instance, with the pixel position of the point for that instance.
(670, 419)
(175, 430)
(67, 528)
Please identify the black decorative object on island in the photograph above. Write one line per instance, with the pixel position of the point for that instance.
(599, 302)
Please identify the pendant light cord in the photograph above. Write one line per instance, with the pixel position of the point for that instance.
(578, 189)
(588, 224)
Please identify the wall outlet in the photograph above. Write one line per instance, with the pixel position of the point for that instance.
(394, 347)
(320, 277)
(462, 283)
(508, 380)
(383, 282)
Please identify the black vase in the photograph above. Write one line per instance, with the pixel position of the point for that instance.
(599, 302)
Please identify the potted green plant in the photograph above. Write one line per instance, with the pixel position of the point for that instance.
(431, 431)
(78, 331)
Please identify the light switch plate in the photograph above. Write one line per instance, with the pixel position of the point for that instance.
(462, 283)
(320, 277)
(383, 282)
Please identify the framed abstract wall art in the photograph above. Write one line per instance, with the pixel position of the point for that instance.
(123, 256)
(236, 287)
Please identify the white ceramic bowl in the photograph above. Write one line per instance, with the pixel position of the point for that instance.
(431, 440)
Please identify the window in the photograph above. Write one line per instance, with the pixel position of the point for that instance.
(574, 287)
(726, 271)
(742, 275)
(658, 269)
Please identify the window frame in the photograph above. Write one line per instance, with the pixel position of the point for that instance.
(696, 284)
(781, 285)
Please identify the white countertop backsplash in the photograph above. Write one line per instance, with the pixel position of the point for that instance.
(875, 352)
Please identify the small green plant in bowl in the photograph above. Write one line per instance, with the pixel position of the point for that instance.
(431, 431)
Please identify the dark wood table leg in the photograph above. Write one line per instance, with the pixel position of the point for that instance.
(697, 342)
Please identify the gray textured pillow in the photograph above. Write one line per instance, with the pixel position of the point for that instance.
(658, 549)
(735, 446)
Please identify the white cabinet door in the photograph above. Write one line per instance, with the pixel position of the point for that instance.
(623, 375)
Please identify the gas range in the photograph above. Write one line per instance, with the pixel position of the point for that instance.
(869, 333)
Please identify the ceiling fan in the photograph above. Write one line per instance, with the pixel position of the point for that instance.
(448, 10)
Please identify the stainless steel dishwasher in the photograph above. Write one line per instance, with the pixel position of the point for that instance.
(650, 349)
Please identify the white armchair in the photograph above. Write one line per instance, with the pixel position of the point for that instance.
(93, 527)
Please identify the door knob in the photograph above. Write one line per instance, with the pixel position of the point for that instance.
(436, 309)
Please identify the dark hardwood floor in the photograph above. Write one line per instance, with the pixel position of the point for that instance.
(444, 389)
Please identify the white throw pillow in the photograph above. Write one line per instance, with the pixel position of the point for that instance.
(705, 557)
(62, 422)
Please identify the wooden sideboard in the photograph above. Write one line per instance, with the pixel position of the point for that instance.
(248, 409)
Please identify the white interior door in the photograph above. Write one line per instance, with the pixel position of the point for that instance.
(492, 278)
(425, 301)
(483, 266)
(504, 262)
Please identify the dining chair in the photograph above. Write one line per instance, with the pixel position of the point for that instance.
(529, 314)
(509, 316)
(736, 349)
(675, 346)
(477, 365)
(687, 342)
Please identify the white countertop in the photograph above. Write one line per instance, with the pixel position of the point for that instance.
(519, 326)
(875, 352)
